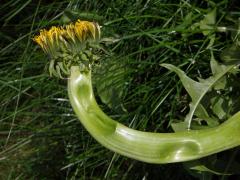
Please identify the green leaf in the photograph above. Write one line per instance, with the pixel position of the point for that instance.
(207, 24)
(202, 167)
(197, 90)
(220, 106)
(203, 115)
(217, 69)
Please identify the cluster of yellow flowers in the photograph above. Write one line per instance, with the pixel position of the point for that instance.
(70, 45)
(67, 38)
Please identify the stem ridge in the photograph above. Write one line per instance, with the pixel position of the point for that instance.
(146, 146)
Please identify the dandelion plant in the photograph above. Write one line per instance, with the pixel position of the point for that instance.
(72, 52)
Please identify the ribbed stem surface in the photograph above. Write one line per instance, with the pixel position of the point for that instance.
(146, 146)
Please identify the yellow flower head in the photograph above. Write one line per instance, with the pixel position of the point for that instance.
(69, 45)
(65, 38)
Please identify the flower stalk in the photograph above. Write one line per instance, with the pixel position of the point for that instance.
(146, 146)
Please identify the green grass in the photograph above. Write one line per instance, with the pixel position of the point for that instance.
(40, 137)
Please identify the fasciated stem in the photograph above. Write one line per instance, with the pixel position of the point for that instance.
(146, 146)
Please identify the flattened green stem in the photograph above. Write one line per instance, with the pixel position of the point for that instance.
(146, 146)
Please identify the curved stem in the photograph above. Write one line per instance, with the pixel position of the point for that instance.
(146, 146)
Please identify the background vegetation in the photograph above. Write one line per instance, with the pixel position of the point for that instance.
(40, 137)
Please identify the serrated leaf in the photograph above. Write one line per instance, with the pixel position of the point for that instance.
(197, 90)
(194, 88)
(216, 69)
